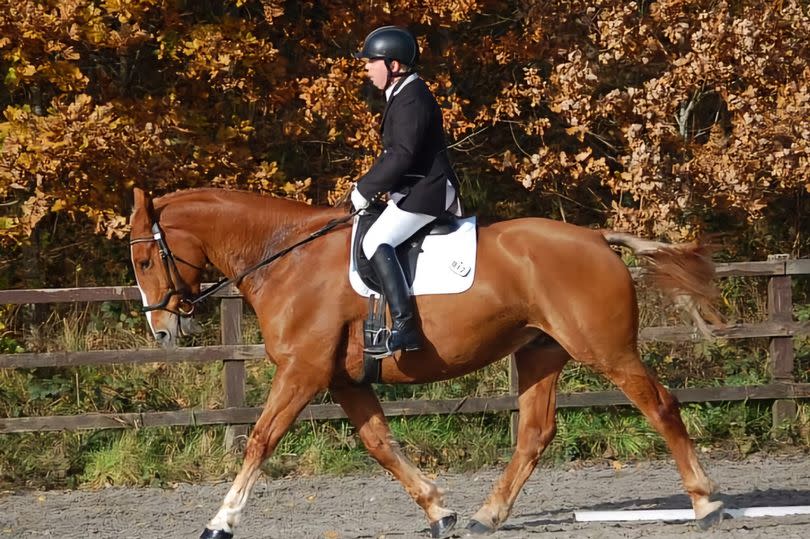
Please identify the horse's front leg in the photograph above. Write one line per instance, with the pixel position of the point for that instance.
(292, 389)
(363, 409)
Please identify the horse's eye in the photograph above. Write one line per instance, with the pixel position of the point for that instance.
(145, 264)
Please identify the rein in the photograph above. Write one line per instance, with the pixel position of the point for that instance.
(189, 303)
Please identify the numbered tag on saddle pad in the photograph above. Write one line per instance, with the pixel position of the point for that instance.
(460, 268)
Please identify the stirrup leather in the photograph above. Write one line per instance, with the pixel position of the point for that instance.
(375, 340)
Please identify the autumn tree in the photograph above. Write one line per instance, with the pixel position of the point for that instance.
(667, 118)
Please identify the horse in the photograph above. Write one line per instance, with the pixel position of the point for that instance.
(546, 291)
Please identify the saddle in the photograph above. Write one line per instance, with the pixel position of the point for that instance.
(375, 329)
(407, 252)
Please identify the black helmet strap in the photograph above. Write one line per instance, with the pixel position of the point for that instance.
(391, 74)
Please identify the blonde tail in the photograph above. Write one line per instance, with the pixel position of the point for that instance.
(683, 271)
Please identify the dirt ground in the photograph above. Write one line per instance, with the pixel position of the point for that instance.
(377, 506)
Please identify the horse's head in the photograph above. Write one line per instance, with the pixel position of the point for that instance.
(168, 263)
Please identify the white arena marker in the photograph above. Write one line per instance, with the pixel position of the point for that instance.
(686, 514)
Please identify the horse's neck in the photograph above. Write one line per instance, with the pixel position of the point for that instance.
(245, 234)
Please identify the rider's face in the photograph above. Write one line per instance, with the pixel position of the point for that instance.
(378, 73)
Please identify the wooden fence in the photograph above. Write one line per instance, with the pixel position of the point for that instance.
(780, 328)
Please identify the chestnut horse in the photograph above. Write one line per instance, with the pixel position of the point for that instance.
(544, 290)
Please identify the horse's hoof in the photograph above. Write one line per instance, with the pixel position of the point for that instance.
(215, 534)
(475, 527)
(713, 518)
(443, 526)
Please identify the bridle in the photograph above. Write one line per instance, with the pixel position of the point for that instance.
(188, 302)
(169, 261)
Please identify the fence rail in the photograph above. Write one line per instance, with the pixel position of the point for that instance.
(470, 405)
(780, 328)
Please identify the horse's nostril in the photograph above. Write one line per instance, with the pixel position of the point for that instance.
(161, 336)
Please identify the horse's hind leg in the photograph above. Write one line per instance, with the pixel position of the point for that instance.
(363, 409)
(538, 370)
(662, 410)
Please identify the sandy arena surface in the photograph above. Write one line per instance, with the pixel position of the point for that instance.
(376, 506)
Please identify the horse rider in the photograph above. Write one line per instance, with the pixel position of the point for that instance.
(413, 169)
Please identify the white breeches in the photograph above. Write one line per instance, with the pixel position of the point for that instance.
(393, 227)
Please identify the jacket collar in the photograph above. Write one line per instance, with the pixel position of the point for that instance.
(392, 91)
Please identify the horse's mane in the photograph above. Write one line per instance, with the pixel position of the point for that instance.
(259, 212)
(209, 194)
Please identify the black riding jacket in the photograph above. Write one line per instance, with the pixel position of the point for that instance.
(414, 161)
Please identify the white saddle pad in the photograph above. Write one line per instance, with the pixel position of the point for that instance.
(446, 264)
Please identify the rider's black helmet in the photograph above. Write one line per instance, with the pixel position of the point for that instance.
(390, 43)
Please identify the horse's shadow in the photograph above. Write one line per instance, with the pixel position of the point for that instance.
(755, 498)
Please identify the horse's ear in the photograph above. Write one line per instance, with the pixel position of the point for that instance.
(142, 200)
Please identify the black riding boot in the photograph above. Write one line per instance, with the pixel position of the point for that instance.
(405, 334)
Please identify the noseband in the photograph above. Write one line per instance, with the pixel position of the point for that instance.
(170, 260)
(189, 302)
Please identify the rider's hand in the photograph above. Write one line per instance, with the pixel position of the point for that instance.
(358, 201)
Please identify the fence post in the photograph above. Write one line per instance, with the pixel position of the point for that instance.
(233, 375)
(514, 417)
(780, 309)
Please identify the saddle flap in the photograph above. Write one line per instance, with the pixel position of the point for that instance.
(407, 252)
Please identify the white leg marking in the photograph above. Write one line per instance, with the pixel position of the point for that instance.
(427, 488)
(231, 510)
